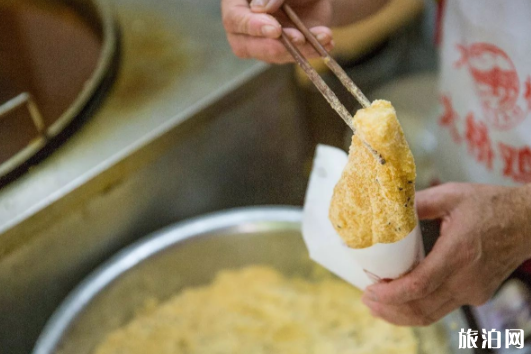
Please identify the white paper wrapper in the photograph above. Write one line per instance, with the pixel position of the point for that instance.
(360, 267)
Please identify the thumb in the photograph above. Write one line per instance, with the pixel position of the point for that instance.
(436, 202)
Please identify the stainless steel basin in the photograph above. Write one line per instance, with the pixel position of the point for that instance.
(189, 254)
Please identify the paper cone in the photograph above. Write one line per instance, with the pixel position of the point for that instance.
(360, 267)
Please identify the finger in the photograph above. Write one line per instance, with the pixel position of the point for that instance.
(323, 34)
(239, 19)
(269, 6)
(445, 309)
(295, 35)
(423, 280)
(312, 53)
(268, 50)
(436, 202)
(431, 305)
(419, 312)
(416, 313)
(264, 49)
(410, 314)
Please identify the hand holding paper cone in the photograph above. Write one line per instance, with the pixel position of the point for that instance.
(485, 234)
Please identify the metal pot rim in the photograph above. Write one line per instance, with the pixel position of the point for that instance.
(147, 247)
(103, 65)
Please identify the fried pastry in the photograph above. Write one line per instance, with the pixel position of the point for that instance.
(374, 201)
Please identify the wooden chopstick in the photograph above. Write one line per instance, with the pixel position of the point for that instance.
(325, 90)
(329, 61)
(317, 80)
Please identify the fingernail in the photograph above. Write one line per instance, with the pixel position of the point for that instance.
(322, 37)
(269, 31)
(259, 3)
(296, 40)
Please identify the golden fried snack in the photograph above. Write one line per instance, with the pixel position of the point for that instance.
(257, 310)
(374, 201)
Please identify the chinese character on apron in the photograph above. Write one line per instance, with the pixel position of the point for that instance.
(485, 92)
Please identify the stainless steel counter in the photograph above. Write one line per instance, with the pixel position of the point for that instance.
(186, 129)
(176, 62)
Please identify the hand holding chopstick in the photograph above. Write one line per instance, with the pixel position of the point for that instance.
(253, 32)
(254, 28)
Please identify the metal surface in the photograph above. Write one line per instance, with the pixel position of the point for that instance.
(187, 129)
(244, 148)
(157, 89)
(179, 135)
(190, 254)
(100, 17)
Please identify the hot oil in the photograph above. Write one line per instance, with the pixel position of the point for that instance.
(48, 50)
